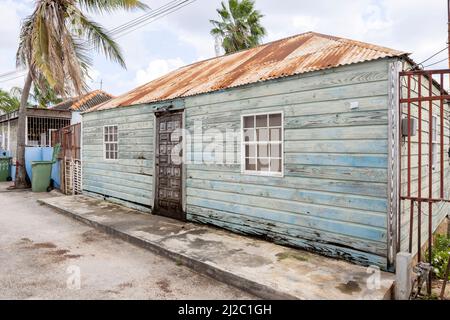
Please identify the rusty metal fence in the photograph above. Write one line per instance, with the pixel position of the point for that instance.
(422, 149)
(70, 139)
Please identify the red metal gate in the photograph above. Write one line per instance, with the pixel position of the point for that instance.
(70, 139)
(422, 149)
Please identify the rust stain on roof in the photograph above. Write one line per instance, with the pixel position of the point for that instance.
(286, 57)
(84, 102)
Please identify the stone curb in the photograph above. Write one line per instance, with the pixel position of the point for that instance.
(215, 272)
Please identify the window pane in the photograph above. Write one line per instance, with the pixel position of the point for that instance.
(249, 122)
(263, 150)
(106, 130)
(106, 138)
(263, 164)
(249, 135)
(261, 120)
(250, 151)
(250, 164)
(275, 150)
(275, 120)
(275, 134)
(275, 165)
(262, 134)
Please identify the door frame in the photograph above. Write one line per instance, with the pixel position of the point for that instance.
(155, 189)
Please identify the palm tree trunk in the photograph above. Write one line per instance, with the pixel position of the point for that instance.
(21, 173)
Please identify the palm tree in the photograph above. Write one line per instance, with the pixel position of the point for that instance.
(8, 102)
(240, 26)
(55, 41)
(39, 97)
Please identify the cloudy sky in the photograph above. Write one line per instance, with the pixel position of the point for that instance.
(415, 26)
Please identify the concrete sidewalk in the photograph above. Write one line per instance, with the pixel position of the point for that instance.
(262, 268)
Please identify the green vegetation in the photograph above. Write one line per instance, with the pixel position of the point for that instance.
(8, 102)
(239, 27)
(440, 254)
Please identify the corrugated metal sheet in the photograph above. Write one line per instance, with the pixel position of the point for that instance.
(298, 54)
(85, 102)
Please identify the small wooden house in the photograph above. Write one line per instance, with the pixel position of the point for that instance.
(295, 141)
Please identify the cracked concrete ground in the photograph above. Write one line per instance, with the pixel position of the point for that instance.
(41, 250)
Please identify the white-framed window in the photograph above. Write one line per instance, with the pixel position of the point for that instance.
(434, 141)
(262, 144)
(110, 142)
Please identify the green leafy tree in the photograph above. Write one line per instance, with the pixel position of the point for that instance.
(239, 26)
(55, 41)
(8, 102)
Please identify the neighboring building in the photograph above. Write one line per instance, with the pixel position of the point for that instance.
(82, 103)
(39, 125)
(295, 141)
(42, 122)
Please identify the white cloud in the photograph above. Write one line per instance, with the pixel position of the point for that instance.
(415, 26)
(157, 68)
(305, 22)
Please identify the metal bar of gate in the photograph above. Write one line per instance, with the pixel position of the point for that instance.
(419, 182)
(441, 116)
(430, 174)
(411, 204)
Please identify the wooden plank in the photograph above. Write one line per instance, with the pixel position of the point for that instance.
(340, 133)
(119, 188)
(329, 185)
(119, 195)
(337, 146)
(336, 77)
(294, 210)
(299, 108)
(300, 195)
(119, 181)
(345, 228)
(139, 169)
(355, 92)
(132, 177)
(278, 230)
(347, 160)
(336, 173)
(337, 120)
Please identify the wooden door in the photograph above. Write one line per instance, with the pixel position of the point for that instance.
(168, 167)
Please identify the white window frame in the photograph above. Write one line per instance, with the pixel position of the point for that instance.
(262, 173)
(109, 142)
(434, 141)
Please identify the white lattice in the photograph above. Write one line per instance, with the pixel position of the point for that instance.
(73, 176)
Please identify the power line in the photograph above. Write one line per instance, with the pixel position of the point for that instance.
(434, 55)
(436, 63)
(162, 15)
(13, 78)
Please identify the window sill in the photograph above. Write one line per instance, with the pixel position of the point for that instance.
(263, 174)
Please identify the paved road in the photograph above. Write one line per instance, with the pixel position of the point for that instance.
(42, 253)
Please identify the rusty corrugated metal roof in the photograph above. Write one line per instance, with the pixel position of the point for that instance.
(294, 55)
(84, 102)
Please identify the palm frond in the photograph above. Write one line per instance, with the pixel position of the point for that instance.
(101, 6)
(239, 26)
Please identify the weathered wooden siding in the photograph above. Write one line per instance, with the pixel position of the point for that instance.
(129, 178)
(333, 196)
(440, 210)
